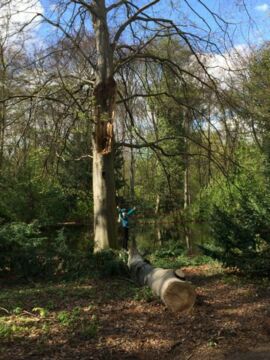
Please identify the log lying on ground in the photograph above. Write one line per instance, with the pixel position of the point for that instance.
(177, 294)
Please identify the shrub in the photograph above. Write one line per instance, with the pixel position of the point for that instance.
(21, 247)
(27, 253)
(238, 212)
(174, 255)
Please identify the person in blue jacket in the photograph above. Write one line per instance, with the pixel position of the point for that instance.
(123, 218)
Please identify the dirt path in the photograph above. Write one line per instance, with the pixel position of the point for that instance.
(231, 320)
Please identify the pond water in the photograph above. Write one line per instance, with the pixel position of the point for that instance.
(149, 235)
(156, 234)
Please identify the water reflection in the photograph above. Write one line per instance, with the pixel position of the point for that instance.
(155, 234)
(149, 235)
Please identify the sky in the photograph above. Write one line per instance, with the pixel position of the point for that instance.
(17, 13)
(250, 25)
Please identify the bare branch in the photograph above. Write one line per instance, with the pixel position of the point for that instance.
(74, 42)
(131, 19)
(116, 5)
(90, 7)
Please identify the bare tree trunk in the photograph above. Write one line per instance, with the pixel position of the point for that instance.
(209, 150)
(157, 221)
(103, 137)
(104, 201)
(2, 134)
(157, 207)
(132, 172)
(186, 179)
(177, 294)
(2, 105)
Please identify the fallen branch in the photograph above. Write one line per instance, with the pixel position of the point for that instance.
(5, 310)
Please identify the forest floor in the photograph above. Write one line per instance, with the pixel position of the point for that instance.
(113, 319)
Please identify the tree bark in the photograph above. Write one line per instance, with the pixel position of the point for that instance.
(103, 138)
(186, 178)
(3, 70)
(104, 201)
(132, 173)
(177, 294)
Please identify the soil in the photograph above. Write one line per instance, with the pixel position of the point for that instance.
(230, 320)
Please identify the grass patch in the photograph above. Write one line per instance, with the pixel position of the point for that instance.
(144, 294)
(6, 330)
(44, 297)
(76, 323)
(67, 310)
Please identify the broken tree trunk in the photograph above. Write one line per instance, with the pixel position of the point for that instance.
(104, 94)
(170, 285)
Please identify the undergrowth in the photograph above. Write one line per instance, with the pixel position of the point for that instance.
(174, 255)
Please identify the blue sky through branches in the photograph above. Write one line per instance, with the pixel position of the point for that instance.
(230, 22)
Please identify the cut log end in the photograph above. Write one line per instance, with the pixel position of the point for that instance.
(179, 296)
(168, 284)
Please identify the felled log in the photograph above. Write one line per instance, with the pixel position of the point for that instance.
(170, 285)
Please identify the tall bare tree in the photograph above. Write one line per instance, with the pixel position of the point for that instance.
(118, 44)
(123, 32)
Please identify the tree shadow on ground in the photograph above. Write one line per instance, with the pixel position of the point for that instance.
(57, 296)
(228, 320)
(260, 353)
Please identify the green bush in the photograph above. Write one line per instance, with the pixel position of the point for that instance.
(26, 253)
(237, 209)
(110, 263)
(21, 249)
(172, 249)
(174, 255)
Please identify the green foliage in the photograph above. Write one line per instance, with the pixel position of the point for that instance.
(6, 330)
(18, 310)
(238, 212)
(27, 253)
(51, 305)
(31, 195)
(20, 246)
(41, 311)
(144, 294)
(171, 249)
(35, 189)
(156, 174)
(65, 318)
(108, 263)
(174, 255)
